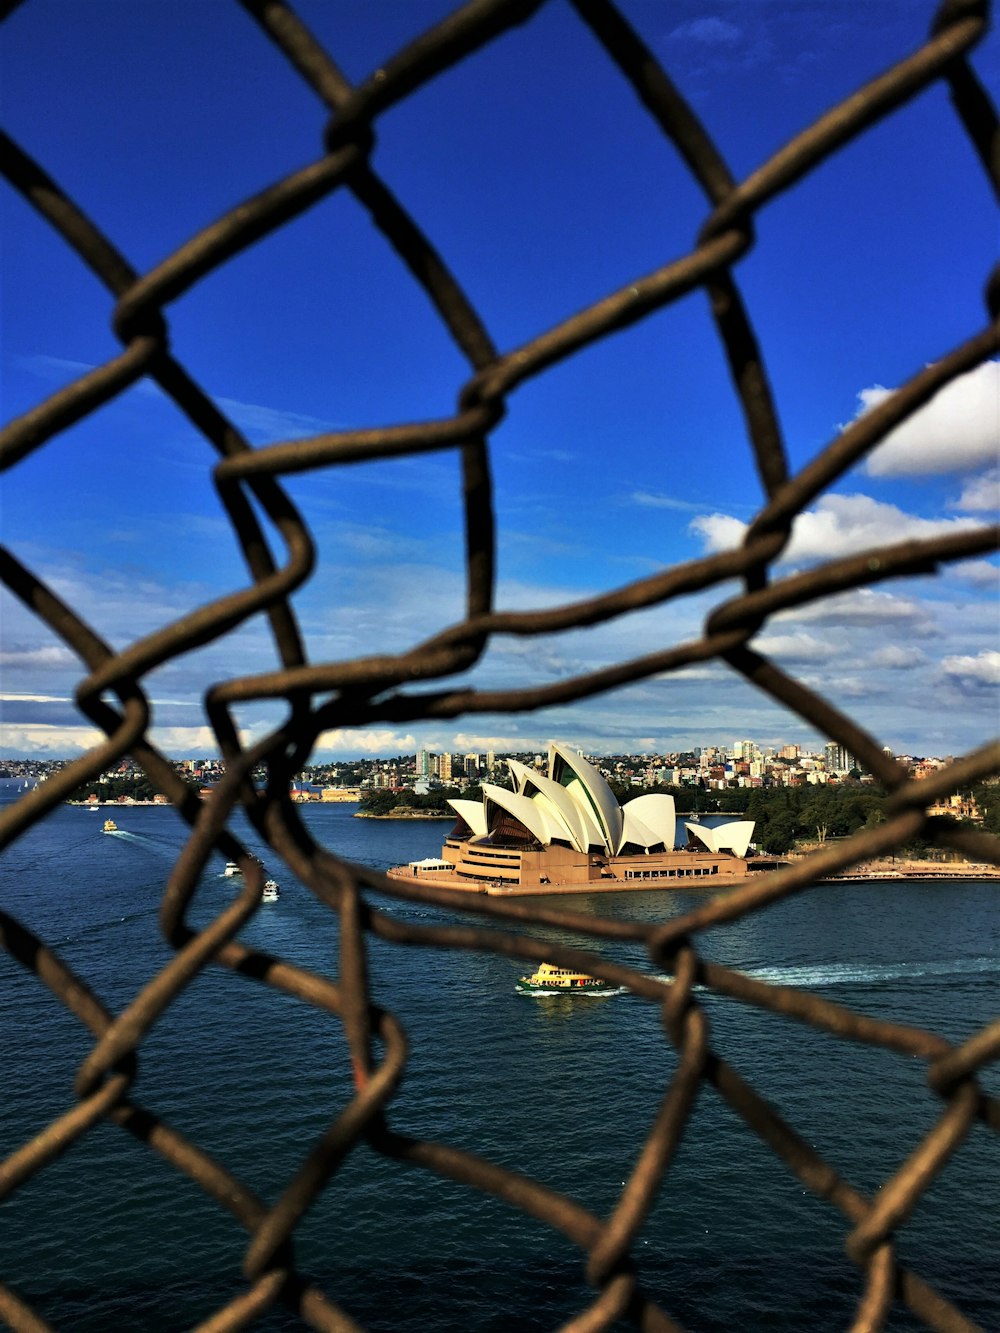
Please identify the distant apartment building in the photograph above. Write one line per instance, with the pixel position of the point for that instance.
(444, 767)
(837, 758)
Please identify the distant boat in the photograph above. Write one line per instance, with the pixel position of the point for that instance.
(234, 867)
(550, 978)
(271, 893)
(110, 826)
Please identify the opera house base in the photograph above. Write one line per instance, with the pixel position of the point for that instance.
(508, 872)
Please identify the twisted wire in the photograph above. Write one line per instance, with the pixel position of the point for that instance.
(403, 686)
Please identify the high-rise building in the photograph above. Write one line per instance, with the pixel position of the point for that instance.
(838, 759)
(444, 767)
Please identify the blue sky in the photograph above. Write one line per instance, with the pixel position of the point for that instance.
(543, 184)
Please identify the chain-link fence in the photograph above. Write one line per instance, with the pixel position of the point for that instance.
(378, 688)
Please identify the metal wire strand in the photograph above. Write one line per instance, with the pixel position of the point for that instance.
(413, 684)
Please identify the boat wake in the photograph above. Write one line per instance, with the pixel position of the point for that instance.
(851, 974)
(868, 974)
(563, 990)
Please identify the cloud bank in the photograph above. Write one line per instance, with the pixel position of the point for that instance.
(839, 525)
(957, 431)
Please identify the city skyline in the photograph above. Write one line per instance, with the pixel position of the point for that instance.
(545, 187)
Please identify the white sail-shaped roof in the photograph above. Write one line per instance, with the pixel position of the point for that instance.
(524, 810)
(474, 814)
(581, 828)
(654, 813)
(735, 835)
(700, 833)
(587, 787)
(574, 805)
(636, 834)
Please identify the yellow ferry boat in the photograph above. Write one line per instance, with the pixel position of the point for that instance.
(552, 978)
(110, 826)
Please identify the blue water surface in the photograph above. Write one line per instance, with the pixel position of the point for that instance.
(565, 1089)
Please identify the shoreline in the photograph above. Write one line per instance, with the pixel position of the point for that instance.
(409, 818)
(880, 870)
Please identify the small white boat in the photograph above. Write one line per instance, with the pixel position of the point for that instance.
(270, 893)
(232, 869)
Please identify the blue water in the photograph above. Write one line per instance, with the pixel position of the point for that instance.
(111, 1236)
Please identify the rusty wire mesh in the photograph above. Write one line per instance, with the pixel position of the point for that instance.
(322, 695)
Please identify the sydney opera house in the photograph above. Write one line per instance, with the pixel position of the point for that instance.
(564, 831)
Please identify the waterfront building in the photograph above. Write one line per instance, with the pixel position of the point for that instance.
(564, 831)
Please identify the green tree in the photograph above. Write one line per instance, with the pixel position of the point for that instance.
(378, 802)
(779, 833)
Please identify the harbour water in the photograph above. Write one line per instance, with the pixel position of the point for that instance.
(110, 1236)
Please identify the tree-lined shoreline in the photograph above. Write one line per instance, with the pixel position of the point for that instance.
(786, 818)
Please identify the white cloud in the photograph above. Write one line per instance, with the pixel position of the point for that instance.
(719, 532)
(957, 431)
(345, 740)
(983, 669)
(12, 696)
(267, 424)
(872, 620)
(981, 495)
(799, 647)
(868, 608)
(48, 658)
(261, 424)
(194, 740)
(840, 525)
(709, 31)
(980, 573)
(50, 739)
(656, 500)
(710, 671)
(897, 657)
(848, 687)
(466, 742)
